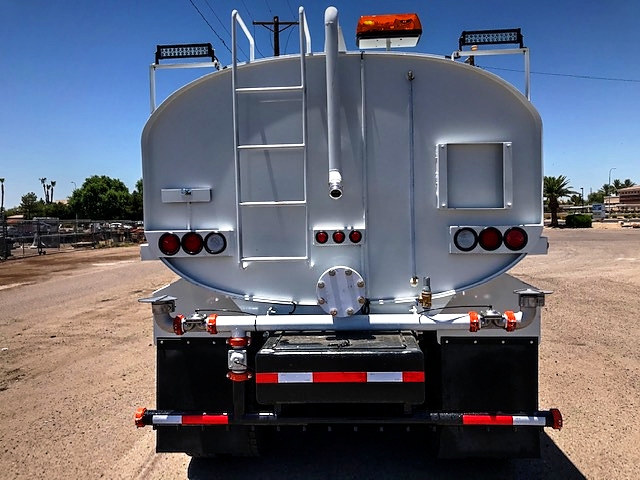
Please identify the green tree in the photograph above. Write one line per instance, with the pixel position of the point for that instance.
(596, 197)
(618, 184)
(101, 198)
(136, 202)
(556, 188)
(28, 205)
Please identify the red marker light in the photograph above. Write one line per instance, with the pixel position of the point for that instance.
(322, 237)
(355, 236)
(192, 243)
(515, 238)
(490, 239)
(338, 236)
(169, 243)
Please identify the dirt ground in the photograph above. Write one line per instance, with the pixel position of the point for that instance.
(76, 360)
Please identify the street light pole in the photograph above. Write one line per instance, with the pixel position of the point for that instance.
(609, 187)
(582, 196)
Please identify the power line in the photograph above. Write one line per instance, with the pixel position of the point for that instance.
(207, 22)
(254, 28)
(291, 10)
(268, 6)
(223, 26)
(571, 75)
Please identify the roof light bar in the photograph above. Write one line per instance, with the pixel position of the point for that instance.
(491, 37)
(189, 50)
(388, 31)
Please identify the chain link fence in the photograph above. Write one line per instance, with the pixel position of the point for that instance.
(25, 238)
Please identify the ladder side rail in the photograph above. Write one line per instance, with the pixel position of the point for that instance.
(236, 138)
(305, 47)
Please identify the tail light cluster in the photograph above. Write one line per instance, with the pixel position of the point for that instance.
(353, 236)
(192, 243)
(489, 239)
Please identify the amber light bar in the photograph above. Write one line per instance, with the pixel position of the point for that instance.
(388, 31)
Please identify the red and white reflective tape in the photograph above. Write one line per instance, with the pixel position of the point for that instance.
(515, 420)
(340, 377)
(204, 419)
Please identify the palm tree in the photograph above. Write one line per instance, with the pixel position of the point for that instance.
(2, 188)
(48, 185)
(53, 184)
(554, 189)
(618, 184)
(43, 180)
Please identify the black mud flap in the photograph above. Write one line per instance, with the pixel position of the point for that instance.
(191, 375)
(490, 375)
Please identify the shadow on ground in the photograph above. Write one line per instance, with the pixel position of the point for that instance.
(373, 455)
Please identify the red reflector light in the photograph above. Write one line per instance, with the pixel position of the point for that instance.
(490, 239)
(338, 236)
(557, 419)
(192, 243)
(355, 236)
(515, 238)
(169, 243)
(322, 237)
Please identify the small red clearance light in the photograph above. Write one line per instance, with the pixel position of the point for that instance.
(515, 238)
(169, 243)
(192, 243)
(490, 239)
(338, 236)
(355, 236)
(322, 237)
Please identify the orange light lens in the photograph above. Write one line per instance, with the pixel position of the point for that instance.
(384, 24)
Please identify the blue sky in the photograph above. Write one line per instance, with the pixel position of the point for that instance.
(74, 88)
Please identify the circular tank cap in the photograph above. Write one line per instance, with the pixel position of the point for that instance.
(342, 290)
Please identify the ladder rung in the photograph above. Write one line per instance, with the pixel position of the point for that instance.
(272, 259)
(290, 88)
(272, 146)
(273, 203)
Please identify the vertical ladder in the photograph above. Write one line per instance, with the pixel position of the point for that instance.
(305, 47)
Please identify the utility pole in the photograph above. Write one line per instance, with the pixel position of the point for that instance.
(276, 24)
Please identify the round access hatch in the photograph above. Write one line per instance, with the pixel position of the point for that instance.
(340, 291)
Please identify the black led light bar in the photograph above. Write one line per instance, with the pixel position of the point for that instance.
(190, 50)
(491, 37)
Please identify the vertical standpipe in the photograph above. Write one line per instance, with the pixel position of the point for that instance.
(333, 101)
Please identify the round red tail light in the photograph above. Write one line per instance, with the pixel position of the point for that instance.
(192, 243)
(490, 239)
(515, 238)
(338, 236)
(322, 237)
(355, 236)
(169, 243)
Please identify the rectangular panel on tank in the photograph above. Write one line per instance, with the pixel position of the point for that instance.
(274, 231)
(475, 175)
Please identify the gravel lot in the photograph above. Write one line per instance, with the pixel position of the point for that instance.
(77, 358)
